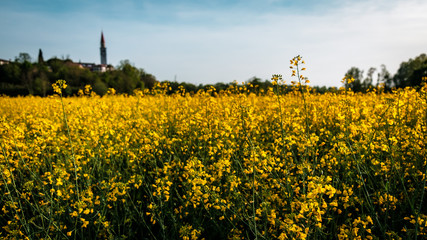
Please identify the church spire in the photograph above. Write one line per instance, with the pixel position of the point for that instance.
(103, 50)
(102, 40)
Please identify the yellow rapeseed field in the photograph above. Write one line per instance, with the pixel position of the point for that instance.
(227, 165)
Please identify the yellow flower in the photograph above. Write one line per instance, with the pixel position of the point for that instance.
(59, 85)
(74, 214)
(85, 223)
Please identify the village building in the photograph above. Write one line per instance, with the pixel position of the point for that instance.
(4, 61)
(103, 67)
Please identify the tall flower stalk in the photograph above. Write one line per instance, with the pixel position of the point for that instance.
(58, 87)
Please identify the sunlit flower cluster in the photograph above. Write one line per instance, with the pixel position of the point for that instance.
(227, 165)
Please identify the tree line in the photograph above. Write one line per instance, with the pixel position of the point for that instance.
(409, 74)
(24, 77)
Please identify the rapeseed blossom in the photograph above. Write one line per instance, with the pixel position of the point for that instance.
(230, 165)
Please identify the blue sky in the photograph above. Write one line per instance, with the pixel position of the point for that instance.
(208, 41)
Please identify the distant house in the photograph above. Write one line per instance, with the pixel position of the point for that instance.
(3, 61)
(87, 65)
(96, 67)
(103, 67)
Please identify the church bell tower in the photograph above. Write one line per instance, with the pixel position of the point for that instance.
(103, 50)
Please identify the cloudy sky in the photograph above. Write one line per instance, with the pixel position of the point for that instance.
(210, 41)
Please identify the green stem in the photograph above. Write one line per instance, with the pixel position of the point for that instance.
(71, 146)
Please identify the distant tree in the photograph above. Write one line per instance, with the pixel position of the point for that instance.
(125, 64)
(367, 82)
(191, 88)
(262, 85)
(22, 77)
(10, 73)
(255, 81)
(357, 74)
(147, 79)
(27, 76)
(318, 89)
(99, 87)
(128, 79)
(40, 58)
(255, 84)
(23, 57)
(218, 86)
(55, 64)
(41, 85)
(384, 76)
(410, 73)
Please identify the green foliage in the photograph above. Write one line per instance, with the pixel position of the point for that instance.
(22, 77)
(357, 75)
(100, 87)
(23, 57)
(235, 166)
(409, 74)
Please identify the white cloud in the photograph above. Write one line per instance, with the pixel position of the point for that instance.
(355, 35)
(213, 44)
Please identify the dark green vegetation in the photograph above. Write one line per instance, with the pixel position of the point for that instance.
(409, 74)
(23, 77)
